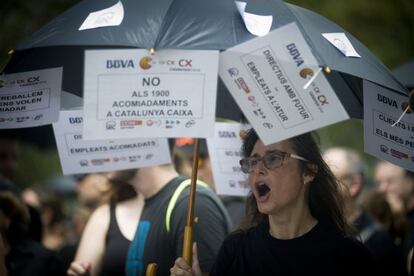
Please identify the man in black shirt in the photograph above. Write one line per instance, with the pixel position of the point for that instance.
(159, 236)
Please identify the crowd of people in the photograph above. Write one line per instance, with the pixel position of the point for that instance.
(308, 213)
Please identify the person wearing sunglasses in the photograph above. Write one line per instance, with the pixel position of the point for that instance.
(295, 222)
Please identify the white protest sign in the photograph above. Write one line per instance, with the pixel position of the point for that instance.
(130, 93)
(30, 98)
(382, 108)
(83, 156)
(267, 76)
(342, 43)
(256, 24)
(225, 153)
(111, 16)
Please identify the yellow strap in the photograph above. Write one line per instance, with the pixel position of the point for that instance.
(174, 198)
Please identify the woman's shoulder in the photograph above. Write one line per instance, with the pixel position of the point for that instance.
(345, 243)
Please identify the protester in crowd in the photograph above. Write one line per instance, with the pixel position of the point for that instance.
(375, 203)
(90, 198)
(104, 243)
(22, 255)
(79, 219)
(295, 223)
(181, 162)
(93, 189)
(349, 169)
(3, 270)
(8, 170)
(398, 186)
(53, 221)
(235, 205)
(410, 262)
(129, 235)
(8, 156)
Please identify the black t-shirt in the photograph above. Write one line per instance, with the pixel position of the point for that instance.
(321, 251)
(116, 248)
(164, 247)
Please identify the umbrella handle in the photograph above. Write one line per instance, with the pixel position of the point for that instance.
(188, 230)
(151, 269)
(187, 244)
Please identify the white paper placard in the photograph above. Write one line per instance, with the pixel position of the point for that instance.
(342, 43)
(382, 108)
(30, 98)
(256, 24)
(111, 16)
(130, 93)
(225, 152)
(267, 76)
(83, 156)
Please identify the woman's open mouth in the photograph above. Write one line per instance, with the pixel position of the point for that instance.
(262, 191)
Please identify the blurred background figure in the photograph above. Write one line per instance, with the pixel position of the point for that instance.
(102, 217)
(22, 255)
(235, 205)
(3, 270)
(375, 203)
(8, 156)
(397, 184)
(93, 189)
(350, 171)
(8, 169)
(55, 230)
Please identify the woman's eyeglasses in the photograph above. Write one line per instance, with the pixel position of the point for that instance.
(271, 160)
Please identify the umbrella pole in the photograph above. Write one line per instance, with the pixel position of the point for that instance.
(188, 231)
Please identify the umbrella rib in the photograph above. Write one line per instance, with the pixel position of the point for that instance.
(360, 100)
(162, 25)
(306, 36)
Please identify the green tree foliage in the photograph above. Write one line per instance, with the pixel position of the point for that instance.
(36, 166)
(385, 27)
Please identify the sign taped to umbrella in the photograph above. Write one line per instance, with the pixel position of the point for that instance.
(225, 153)
(30, 98)
(278, 84)
(83, 156)
(130, 93)
(342, 43)
(382, 110)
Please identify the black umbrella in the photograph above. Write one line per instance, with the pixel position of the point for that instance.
(194, 24)
(405, 74)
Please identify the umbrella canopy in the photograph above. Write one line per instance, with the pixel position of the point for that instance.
(405, 74)
(194, 24)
